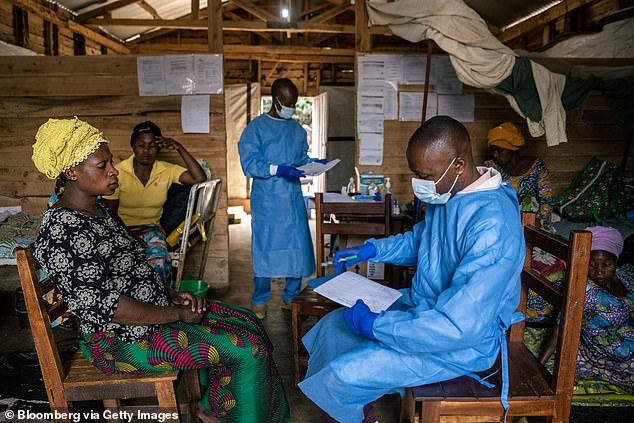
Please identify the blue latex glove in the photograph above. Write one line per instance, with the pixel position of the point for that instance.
(289, 172)
(349, 256)
(322, 161)
(360, 319)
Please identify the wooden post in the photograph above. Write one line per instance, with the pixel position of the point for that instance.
(195, 9)
(214, 26)
(423, 118)
(363, 37)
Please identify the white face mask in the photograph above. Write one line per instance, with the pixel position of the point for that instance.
(283, 111)
(425, 190)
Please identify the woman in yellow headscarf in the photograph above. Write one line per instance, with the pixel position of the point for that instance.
(528, 176)
(129, 321)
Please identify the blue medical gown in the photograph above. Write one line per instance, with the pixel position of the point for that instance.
(469, 254)
(280, 242)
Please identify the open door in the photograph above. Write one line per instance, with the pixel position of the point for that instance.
(320, 135)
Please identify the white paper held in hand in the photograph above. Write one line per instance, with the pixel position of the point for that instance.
(315, 169)
(348, 287)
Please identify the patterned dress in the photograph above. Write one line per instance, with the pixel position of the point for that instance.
(606, 350)
(532, 187)
(93, 261)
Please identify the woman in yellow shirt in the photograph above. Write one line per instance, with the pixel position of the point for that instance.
(143, 185)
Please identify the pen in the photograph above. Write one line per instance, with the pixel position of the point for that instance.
(347, 258)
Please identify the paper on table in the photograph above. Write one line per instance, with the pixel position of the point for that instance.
(315, 168)
(348, 287)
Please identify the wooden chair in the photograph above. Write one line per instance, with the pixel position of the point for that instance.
(366, 219)
(78, 380)
(532, 390)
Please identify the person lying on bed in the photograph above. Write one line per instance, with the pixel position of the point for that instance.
(606, 350)
(142, 191)
(129, 321)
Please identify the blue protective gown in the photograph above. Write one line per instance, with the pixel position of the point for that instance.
(280, 242)
(469, 254)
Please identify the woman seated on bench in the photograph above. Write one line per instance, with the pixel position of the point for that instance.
(143, 186)
(130, 322)
(606, 351)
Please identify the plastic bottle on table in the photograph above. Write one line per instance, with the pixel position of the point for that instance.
(352, 187)
(372, 188)
(388, 186)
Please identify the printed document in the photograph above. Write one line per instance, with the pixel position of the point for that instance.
(348, 287)
(315, 168)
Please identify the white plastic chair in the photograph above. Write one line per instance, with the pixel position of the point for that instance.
(203, 200)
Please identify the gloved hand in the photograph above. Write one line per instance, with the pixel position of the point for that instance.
(349, 256)
(322, 161)
(289, 172)
(360, 319)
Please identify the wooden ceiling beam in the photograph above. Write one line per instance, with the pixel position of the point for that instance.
(547, 16)
(104, 9)
(330, 14)
(267, 53)
(148, 8)
(249, 26)
(257, 11)
(314, 9)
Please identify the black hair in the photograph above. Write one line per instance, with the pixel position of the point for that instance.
(283, 84)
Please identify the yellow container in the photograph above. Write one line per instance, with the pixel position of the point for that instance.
(195, 286)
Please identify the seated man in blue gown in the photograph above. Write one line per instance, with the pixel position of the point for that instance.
(469, 253)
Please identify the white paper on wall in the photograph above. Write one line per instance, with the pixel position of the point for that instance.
(411, 106)
(195, 114)
(150, 75)
(208, 73)
(459, 107)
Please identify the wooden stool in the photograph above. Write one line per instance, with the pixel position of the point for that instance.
(307, 303)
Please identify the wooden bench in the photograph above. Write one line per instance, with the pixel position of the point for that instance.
(532, 390)
(77, 379)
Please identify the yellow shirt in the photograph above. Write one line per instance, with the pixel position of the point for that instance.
(139, 204)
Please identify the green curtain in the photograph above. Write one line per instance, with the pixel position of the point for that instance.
(619, 93)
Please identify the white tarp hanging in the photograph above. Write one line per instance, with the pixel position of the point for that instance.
(480, 59)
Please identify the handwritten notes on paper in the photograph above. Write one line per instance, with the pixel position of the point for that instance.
(348, 287)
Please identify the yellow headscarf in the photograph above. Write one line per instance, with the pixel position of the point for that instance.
(506, 135)
(63, 143)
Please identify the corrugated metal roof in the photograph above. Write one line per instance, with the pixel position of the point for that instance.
(499, 13)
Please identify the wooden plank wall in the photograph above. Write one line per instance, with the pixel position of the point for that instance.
(37, 13)
(103, 91)
(591, 131)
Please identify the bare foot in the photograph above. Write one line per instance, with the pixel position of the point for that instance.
(197, 409)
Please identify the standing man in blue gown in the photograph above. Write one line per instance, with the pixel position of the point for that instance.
(271, 148)
(469, 253)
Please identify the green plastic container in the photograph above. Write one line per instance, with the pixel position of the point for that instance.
(195, 286)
